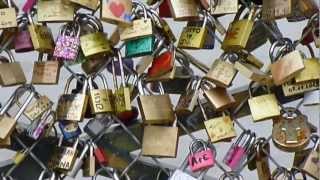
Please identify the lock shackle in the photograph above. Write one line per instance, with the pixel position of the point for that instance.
(295, 171)
(250, 142)
(153, 14)
(119, 58)
(142, 6)
(71, 78)
(290, 112)
(245, 135)
(45, 172)
(228, 56)
(231, 176)
(199, 145)
(99, 75)
(280, 171)
(111, 172)
(316, 140)
(10, 55)
(285, 45)
(141, 87)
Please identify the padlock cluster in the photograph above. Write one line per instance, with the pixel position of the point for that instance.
(76, 125)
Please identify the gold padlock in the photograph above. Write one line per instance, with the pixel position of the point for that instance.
(221, 72)
(183, 9)
(264, 106)
(155, 109)
(55, 11)
(239, 31)
(253, 73)
(276, 9)
(311, 164)
(292, 88)
(311, 71)
(221, 7)
(8, 16)
(45, 72)
(36, 108)
(140, 28)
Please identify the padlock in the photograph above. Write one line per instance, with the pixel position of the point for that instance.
(100, 155)
(238, 151)
(89, 167)
(71, 107)
(286, 65)
(218, 97)
(251, 59)
(95, 42)
(219, 128)
(46, 72)
(194, 37)
(311, 164)
(96, 126)
(154, 109)
(276, 9)
(11, 72)
(69, 129)
(122, 93)
(101, 100)
(37, 108)
(160, 141)
(239, 31)
(79, 162)
(200, 159)
(7, 123)
(291, 130)
(44, 125)
(262, 159)
(293, 89)
(64, 157)
(41, 36)
(210, 39)
(162, 64)
(183, 9)
(68, 42)
(55, 11)
(8, 18)
(116, 11)
(22, 40)
(90, 4)
(264, 106)
(188, 100)
(221, 7)
(310, 72)
(139, 47)
(139, 28)
(221, 72)
(20, 156)
(93, 65)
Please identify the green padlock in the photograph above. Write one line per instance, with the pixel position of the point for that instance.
(140, 47)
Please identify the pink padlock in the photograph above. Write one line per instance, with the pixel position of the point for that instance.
(239, 150)
(68, 42)
(28, 5)
(22, 40)
(201, 159)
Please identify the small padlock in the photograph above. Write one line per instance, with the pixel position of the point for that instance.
(154, 109)
(43, 126)
(140, 46)
(22, 40)
(210, 39)
(140, 28)
(264, 106)
(55, 11)
(116, 11)
(221, 7)
(46, 72)
(183, 9)
(72, 107)
(11, 72)
(200, 159)
(68, 42)
(310, 71)
(69, 130)
(8, 17)
(162, 64)
(100, 155)
(89, 167)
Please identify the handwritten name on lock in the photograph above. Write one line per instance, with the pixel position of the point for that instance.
(200, 160)
(72, 107)
(191, 36)
(35, 110)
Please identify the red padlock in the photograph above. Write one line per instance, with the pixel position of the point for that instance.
(161, 64)
(164, 9)
(100, 155)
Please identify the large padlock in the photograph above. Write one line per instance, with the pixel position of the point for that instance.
(239, 31)
(41, 36)
(8, 16)
(183, 9)
(200, 159)
(7, 123)
(71, 107)
(116, 11)
(22, 40)
(68, 42)
(154, 109)
(101, 100)
(55, 11)
(221, 72)
(11, 72)
(46, 72)
(194, 37)
(311, 164)
(264, 106)
(219, 128)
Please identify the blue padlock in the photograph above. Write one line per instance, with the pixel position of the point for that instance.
(69, 130)
(140, 47)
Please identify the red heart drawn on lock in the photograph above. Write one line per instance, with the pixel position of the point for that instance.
(117, 9)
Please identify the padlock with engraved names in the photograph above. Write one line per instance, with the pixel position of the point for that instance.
(201, 159)
(8, 16)
(140, 28)
(71, 107)
(276, 9)
(37, 108)
(46, 72)
(55, 11)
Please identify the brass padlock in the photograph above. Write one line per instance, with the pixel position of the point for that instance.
(7, 123)
(193, 37)
(183, 9)
(160, 141)
(90, 4)
(72, 107)
(239, 31)
(139, 28)
(111, 14)
(291, 130)
(41, 36)
(154, 109)
(264, 106)
(219, 128)
(221, 72)
(311, 164)
(221, 7)
(218, 97)
(101, 100)
(11, 72)
(55, 11)
(292, 88)
(45, 72)
(8, 16)
(276, 9)
(36, 108)
(89, 167)
(310, 72)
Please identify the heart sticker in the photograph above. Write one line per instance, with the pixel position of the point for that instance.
(117, 9)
